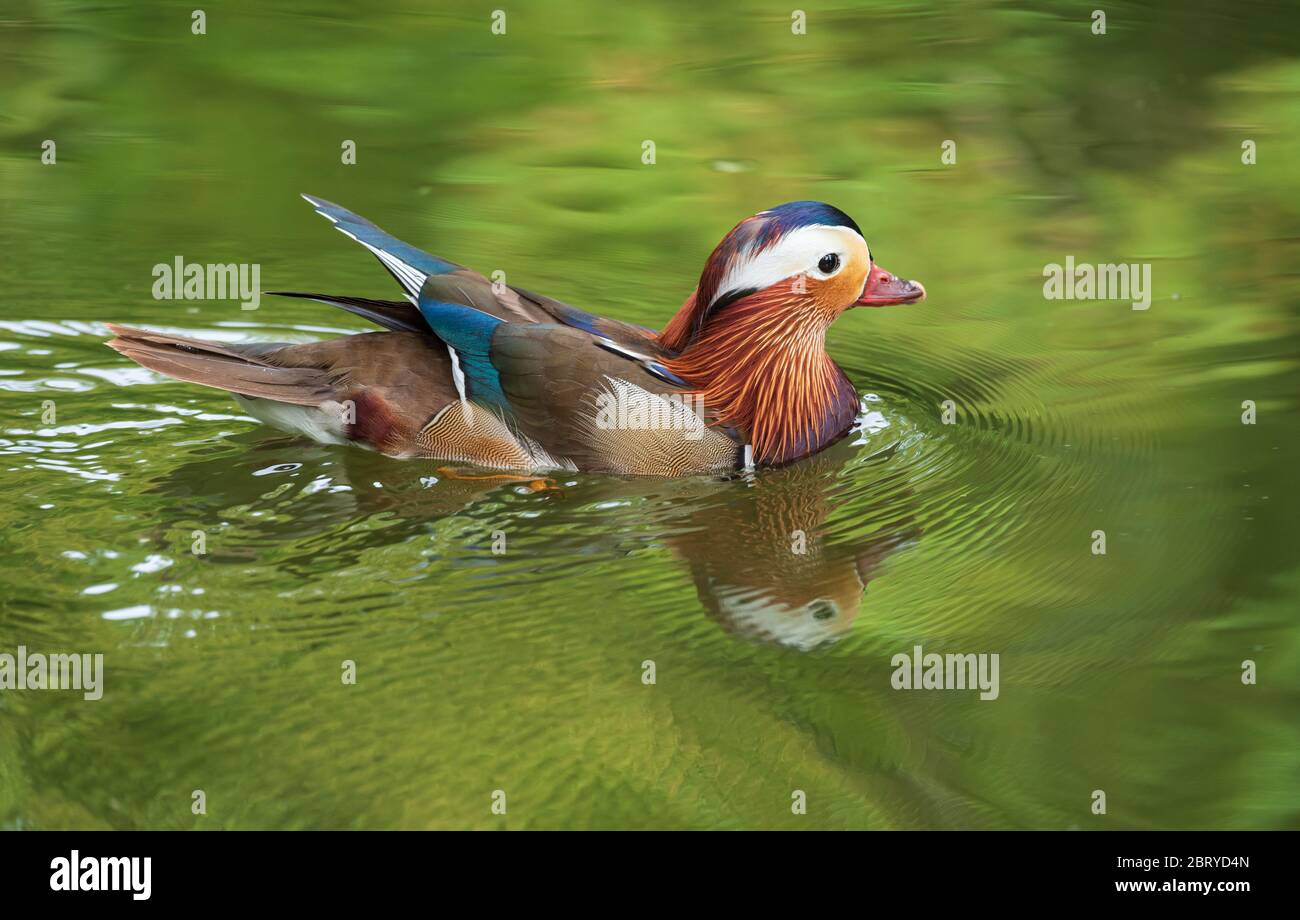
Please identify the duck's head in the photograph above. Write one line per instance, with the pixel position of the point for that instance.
(805, 259)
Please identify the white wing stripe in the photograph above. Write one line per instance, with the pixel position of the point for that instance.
(411, 278)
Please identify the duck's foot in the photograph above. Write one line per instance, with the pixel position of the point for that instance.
(534, 483)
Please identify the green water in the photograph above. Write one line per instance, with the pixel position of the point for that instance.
(523, 671)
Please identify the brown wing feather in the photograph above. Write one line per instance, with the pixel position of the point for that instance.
(554, 378)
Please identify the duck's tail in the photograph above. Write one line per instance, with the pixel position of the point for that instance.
(246, 369)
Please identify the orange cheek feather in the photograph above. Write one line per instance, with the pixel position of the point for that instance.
(837, 294)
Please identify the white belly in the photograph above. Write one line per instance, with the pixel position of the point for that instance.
(325, 423)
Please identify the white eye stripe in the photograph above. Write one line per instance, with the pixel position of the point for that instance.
(798, 252)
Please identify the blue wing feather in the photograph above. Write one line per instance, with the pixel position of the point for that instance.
(410, 266)
(469, 332)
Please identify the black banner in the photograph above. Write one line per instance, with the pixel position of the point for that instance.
(332, 869)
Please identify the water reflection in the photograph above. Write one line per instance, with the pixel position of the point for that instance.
(756, 546)
(764, 567)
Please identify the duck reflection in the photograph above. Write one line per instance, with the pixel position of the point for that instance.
(765, 566)
(765, 563)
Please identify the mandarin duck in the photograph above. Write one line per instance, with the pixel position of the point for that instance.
(496, 376)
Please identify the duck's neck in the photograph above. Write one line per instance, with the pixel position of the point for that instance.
(761, 366)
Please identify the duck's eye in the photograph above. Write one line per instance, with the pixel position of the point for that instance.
(822, 610)
(829, 263)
